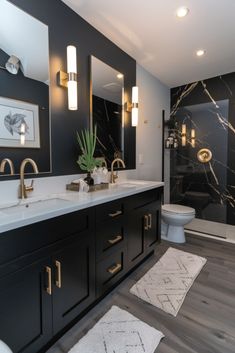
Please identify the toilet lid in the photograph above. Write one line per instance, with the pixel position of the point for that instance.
(173, 208)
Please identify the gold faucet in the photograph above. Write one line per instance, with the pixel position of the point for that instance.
(115, 176)
(3, 164)
(23, 188)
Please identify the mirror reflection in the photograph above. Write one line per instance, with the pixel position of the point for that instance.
(24, 88)
(107, 94)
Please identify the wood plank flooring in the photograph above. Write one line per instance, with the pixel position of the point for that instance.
(206, 320)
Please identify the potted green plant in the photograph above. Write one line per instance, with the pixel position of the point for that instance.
(86, 161)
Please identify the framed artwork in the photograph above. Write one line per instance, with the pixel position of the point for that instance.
(19, 118)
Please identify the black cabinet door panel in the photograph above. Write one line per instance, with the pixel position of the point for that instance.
(74, 280)
(25, 309)
(153, 234)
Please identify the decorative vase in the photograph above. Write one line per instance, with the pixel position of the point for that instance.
(89, 180)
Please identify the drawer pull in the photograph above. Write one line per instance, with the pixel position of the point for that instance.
(48, 288)
(114, 269)
(115, 240)
(150, 221)
(118, 213)
(58, 279)
(146, 225)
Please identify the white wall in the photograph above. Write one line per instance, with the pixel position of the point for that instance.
(154, 97)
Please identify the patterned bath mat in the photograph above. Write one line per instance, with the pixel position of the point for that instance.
(119, 332)
(166, 284)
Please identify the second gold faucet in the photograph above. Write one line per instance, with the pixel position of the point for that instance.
(23, 188)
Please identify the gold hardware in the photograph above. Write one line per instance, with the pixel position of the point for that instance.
(23, 188)
(115, 240)
(64, 77)
(204, 155)
(3, 164)
(146, 227)
(58, 280)
(150, 221)
(48, 288)
(116, 268)
(113, 176)
(118, 213)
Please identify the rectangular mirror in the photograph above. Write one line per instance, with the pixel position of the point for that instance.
(107, 113)
(24, 88)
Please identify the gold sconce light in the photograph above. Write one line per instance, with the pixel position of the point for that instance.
(134, 106)
(193, 138)
(184, 134)
(69, 79)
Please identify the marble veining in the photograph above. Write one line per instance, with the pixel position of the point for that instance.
(208, 107)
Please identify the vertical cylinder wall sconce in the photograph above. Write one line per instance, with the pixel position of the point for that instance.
(22, 134)
(183, 135)
(69, 79)
(193, 138)
(135, 108)
(72, 77)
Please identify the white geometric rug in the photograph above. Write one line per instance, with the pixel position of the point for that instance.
(166, 284)
(119, 332)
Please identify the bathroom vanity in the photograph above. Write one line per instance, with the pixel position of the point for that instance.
(56, 261)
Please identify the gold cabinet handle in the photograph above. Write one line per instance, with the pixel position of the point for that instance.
(114, 269)
(150, 221)
(146, 225)
(48, 288)
(115, 240)
(118, 213)
(58, 277)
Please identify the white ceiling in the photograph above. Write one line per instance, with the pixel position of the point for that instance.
(165, 45)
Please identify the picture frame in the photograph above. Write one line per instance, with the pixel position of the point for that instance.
(13, 114)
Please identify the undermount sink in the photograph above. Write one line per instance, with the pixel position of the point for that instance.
(40, 205)
(132, 184)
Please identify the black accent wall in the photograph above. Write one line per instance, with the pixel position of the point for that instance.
(66, 27)
(208, 107)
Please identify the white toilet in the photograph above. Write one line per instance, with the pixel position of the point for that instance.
(175, 217)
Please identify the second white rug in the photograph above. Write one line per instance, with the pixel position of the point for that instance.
(119, 332)
(166, 284)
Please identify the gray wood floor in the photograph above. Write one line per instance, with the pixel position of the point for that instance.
(206, 320)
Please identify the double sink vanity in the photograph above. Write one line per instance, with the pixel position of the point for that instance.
(60, 254)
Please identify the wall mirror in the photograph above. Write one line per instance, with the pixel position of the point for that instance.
(24, 88)
(107, 113)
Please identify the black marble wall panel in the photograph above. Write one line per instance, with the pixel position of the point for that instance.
(208, 107)
(66, 27)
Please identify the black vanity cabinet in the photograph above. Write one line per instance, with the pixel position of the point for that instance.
(52, 271)
(143, 224)
(73, 279)
(25, 308)
(45, 289)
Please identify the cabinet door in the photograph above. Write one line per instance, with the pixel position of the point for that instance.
(153, 221)
(135, 236)
(74, 280)
(25, 309)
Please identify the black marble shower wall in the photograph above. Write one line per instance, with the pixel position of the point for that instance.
(208, 109)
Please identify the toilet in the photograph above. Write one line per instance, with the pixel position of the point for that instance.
(174, 218)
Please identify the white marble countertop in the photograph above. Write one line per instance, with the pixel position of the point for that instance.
(33, 210)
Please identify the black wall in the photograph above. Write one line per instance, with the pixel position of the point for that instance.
(66, 27)
(220, 88)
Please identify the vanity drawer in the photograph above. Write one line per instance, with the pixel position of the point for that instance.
(144, 198)
(109, 210)
(110, 270)
(109, 237)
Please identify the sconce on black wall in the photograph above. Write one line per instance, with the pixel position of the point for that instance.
(134, 106)
(69, 79)
(12, 65)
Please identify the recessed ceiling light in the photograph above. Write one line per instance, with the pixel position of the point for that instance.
(200, 52)
(120, 76)
(182, 11)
